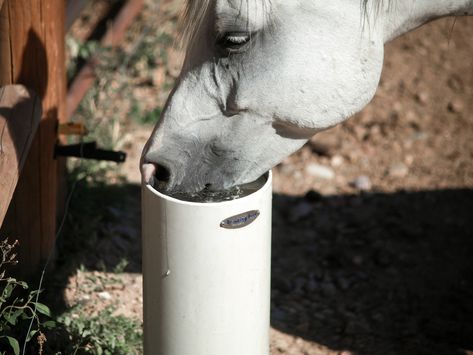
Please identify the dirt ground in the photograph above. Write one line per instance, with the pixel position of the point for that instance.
(372, 220)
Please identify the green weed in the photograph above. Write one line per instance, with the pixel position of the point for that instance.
(19, 308)
(105, 333)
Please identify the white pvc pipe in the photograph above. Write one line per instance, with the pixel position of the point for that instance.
(206, 288)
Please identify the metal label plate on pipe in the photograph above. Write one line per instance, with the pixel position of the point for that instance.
(240, 220)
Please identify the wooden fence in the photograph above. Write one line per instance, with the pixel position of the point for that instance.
(32, 53)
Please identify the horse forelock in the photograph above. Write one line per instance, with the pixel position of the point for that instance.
(193, 15)
(195, 12)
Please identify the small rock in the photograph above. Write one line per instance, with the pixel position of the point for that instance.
(456, 106)
(360, 132)
(305, 153)
(313, 196)
(317, 274)
(329, 289)
(300, 211)
(398, 107)
(343, 283)
(297, 175)
(320, 171)
(422, 97)
(325, 143)
(302, 327)
(362, 275)
(362, 183)
(357, 260)
(105, 295)
(398, 170)
(382, 258)
(312, 286)
(378, 317)
(299, 283)
(281, 284)
(409, 159)
(418, 136)
(287, 169)
(278, 314)
(319, 148)
(455, 83)
(411, 116)
(280, 341)
(336, 161)
(375, 131)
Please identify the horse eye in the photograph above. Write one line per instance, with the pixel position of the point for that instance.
(234, 41)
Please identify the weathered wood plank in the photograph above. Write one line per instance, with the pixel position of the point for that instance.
(5, 59)
(20, 113)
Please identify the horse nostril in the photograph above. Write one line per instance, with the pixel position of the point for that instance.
(162, 173)
(157, 175)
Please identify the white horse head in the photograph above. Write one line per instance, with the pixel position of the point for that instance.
(262, 76)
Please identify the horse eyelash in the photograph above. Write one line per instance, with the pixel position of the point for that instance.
(240, 39)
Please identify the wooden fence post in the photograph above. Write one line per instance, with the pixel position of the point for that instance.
(32, 54)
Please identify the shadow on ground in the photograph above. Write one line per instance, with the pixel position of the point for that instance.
(377, 273)
(101, 232)
(374, 273)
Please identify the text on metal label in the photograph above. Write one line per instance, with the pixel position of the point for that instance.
(240, 220)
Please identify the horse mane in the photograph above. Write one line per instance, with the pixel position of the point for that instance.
(377, 5)
(373, 6)
(191, 19)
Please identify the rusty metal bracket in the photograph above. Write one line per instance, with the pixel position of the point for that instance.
(72, 128)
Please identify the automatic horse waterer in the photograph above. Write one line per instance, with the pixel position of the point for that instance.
(206, 274)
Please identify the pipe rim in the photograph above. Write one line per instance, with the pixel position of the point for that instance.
(267, 185)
